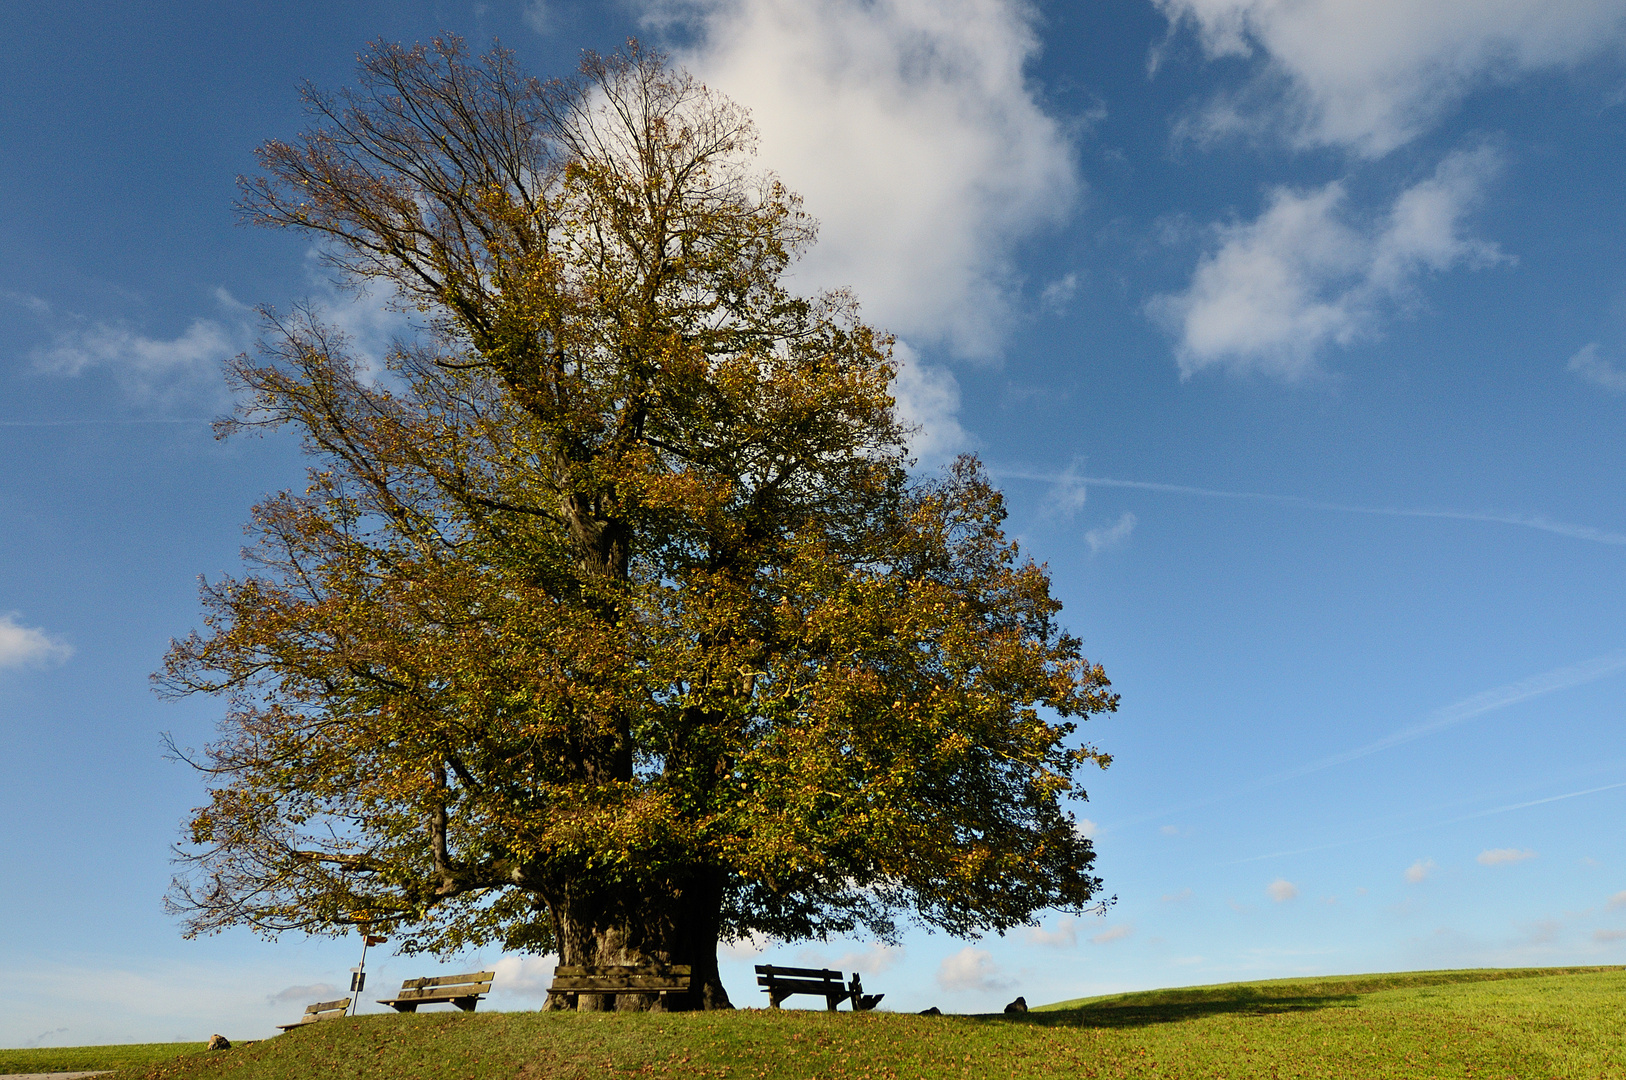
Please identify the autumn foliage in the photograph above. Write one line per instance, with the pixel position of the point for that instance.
(612, 621)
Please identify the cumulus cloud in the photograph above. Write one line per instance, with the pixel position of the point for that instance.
(871, 959)
(928, 398)
(525, 976)
(1063, 936)
(1371, 75)
(29, 646)
(1419, 870)
(752, 944)
(157, 370)
(1110, 536)
(1303, 275)
(149, 368)
(312, 992)
(537, 16)
(1086, 828)
(1281, 890)
(1498, 856)
(969, 969)
(911, 130)
(1596, 369)
(1059, 293)
(1113, 933)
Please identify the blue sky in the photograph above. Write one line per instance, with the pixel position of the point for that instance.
(1296, 334)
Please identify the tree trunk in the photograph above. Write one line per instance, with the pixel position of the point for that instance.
(642, 923)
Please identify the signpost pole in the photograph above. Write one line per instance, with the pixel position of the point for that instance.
(358, 974)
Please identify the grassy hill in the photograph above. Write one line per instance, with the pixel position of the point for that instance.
(1533, 1023)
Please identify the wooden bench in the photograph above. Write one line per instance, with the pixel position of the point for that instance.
(464, 991)
(571, 981)
(322, 1010)
(780, 983)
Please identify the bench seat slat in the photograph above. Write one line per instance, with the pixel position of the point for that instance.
(464, 991)
(429, 992)
(622, 969)
(321, 1010)
(328, 1006)
(449, 980)
(799, 973)
(802, 986)
(631, 984)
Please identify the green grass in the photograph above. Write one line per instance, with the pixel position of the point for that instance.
(1485, 1024)
(83, 1058)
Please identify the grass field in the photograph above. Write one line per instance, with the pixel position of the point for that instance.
(1540, 1023)
(81, 1058)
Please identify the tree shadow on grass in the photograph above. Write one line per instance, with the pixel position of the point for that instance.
(1172, 1012)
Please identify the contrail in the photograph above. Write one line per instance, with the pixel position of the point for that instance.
(1540, 522)
(1477, 705)
(80, 423)
(1474, 705)
(1436, 825)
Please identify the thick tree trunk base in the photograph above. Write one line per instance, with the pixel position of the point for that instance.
(656, 923)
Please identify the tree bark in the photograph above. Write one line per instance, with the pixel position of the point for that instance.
(673, 922)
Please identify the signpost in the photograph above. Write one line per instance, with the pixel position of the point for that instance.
(358, 974)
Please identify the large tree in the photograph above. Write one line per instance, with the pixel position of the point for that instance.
(612, 621)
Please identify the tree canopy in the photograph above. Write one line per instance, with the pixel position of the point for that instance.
(612, 621)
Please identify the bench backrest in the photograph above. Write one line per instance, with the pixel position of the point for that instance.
(769, 972)
(476, 982)
(321, 1009)
(622, 978)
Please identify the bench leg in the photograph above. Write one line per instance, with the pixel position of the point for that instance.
(466, 1004)
(406, 1006)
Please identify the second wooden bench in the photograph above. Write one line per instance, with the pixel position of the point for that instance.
(464, 991)
(571, 981)
(321, 1010)
(780, 983)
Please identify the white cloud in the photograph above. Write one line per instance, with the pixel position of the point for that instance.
(1419, 870)
(158, 370)
(304, 994)
(148, 368)
(969, 969)
(928, 398)
(1063, 936)
(370, 317)
(1371, 75)
(1301, 276)
(1596, 369)
(29, 646)
(1604, 937)
(1086, 828)
(1497, 856)
(524, 976)
(1068, 493)
(1180, 897)
(1281, 890)
(1113, 933)
(1110, 536)
(752, 944)
(1058, 294)
(911, 130)
(536, 15)
(871, 959)
(1618, 900)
